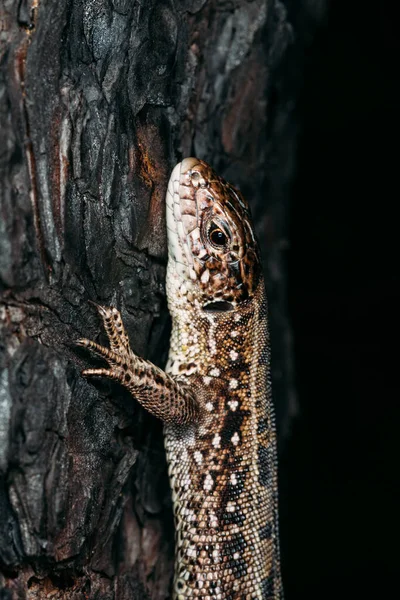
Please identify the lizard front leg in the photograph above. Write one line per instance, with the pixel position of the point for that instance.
(156, 391)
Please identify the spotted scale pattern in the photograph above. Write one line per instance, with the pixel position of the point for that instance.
(223, 468)
(214, 396)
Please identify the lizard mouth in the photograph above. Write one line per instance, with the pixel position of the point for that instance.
(182, 217)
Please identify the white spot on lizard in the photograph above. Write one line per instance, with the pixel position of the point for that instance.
(216, 441)
(198, 457)
(208, 482)
(235, 439)
(205, 276)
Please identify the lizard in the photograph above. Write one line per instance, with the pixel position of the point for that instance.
(214, 396)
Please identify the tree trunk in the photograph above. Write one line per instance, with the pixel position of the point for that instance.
(99, 99)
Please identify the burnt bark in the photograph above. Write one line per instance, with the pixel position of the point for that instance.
(99, 99)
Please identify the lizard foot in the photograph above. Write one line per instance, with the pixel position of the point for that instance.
(154, 389)
(119, 355)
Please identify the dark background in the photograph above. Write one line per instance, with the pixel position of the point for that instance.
(341, 465)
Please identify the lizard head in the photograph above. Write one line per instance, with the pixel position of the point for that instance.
(213, 254)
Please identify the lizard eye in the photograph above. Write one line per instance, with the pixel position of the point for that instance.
(217, 236)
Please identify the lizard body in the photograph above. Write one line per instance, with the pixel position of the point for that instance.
(214, 396)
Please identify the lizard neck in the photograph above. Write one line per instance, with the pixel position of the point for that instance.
(202, 340)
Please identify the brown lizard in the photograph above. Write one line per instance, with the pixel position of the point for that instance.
(214, 396)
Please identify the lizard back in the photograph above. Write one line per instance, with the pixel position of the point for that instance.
(223, 466)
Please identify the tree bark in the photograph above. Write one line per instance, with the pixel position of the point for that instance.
(99, 99)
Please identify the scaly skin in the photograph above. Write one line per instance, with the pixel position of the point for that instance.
(214, 396)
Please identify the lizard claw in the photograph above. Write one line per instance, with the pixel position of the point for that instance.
(82, 342)
(118, 356)
(100, 309)
(114, 327)
(99, 350)
(98, 373)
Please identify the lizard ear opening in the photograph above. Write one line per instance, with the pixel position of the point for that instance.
(218, 306)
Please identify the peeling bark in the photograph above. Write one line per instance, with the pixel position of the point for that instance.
(99, 99)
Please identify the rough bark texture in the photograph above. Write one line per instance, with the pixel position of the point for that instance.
(99, 99)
